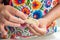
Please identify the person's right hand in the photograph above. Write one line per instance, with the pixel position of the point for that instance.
(7, 17)
(41, 29)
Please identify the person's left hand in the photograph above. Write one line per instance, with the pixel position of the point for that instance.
(8, 17)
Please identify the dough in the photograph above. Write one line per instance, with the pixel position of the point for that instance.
(32, 21)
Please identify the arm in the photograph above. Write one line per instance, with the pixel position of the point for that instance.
(53, 14)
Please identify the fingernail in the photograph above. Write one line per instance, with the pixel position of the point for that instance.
(19, 25)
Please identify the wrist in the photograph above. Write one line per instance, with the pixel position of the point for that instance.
(44, 22)
(48, 21)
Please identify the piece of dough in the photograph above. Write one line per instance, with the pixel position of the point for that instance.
(32, 21)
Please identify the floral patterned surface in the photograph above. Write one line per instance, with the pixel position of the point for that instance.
(35, 9)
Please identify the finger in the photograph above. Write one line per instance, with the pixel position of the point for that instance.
(41, 31)
(8, 23)
(16, 12)
(2, 29)
(17, 20)
(32, 30)
(11, 18)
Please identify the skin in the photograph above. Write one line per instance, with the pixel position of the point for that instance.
(7, 17)
(45, 21)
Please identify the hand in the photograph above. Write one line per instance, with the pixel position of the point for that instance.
(7, 17)
(41, 29)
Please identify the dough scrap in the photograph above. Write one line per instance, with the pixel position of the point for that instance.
(32, 21)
